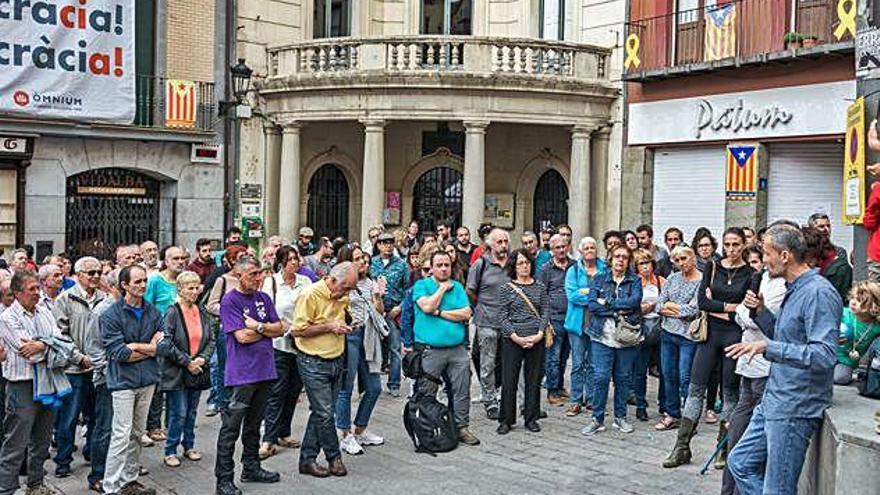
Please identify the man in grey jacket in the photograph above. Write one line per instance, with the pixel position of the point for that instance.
(74, 312)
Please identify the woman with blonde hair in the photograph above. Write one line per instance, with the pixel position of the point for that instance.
(645, 267)
(859, 328)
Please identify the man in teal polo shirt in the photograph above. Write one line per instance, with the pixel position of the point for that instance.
(442, 309)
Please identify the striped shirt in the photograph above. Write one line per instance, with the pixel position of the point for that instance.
(17, 324)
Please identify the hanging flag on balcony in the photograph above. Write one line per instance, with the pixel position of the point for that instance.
(742, 172)
(180, 103)
(720, 32)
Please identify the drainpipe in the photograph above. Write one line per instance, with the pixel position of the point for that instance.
(230, 162)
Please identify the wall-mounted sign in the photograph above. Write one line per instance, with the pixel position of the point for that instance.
(110, 183)
(391, 212)
(251, 191)
(854, 164)
(767, 113)
(498, 210)
(10, 145)
(206, 153)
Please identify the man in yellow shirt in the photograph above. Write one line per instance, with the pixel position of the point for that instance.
(319, 329)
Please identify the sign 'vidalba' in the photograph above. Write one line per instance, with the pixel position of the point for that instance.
(70, 59)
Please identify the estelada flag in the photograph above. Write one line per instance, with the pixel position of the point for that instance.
(180, 103)
(720, 32)
(742, 172)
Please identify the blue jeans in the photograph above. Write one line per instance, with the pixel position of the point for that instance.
(643, 361)
(101, 434)
(219, 397)
(357, 366)
(582, 381)
(770, 455)
(182, 406)
(676, 357)
(322, 379)
(80, 400)
(393, 354)
(554, 374)
(608, 361)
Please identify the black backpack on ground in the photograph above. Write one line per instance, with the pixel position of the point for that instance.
(428, 422)
(868, 382)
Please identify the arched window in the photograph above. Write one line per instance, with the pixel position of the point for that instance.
(328, 202)
(107, 207)
(437, 196)
(551, 200)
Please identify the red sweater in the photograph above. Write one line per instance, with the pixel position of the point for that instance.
(872, 222)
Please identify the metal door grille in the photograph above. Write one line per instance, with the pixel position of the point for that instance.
(108, 207)
(551, 200)
(437, 196)
(328, 202)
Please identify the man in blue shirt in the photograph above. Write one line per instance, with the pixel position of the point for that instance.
(441, 311)
(396, 273)
(801, 341)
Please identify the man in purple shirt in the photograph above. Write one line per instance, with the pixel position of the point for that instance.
(249, 321)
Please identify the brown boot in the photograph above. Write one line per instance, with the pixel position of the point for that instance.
(721, 460)
(681, 453)
(336, 467)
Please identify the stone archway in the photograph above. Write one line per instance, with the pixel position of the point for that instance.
(525, 185)
(351, 170)
(440, 158)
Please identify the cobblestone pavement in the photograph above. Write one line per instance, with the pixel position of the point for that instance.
(557, 460)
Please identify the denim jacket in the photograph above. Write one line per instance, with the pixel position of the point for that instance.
(607, 299)
(396, 273)
(577, 279)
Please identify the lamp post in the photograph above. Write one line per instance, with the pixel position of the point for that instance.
(240, 75)
(234, 109)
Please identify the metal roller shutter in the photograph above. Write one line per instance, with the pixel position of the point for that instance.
(806, 178)
(689, 190)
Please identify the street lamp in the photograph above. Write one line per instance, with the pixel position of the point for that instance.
(241, 83)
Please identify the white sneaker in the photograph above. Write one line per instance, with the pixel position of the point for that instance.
(367, 438)
(622, 425)
(350, 446)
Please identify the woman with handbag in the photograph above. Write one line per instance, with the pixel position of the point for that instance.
(525, 317)
(184, 352)
(724, 286)
(678, 307)
(283, 287)
(615, 315)
(646, 267)
(363, 354)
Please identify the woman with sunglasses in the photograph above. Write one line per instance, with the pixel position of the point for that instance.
(362, 360)
(705, 247)
(614, 295)
(677, 306)
(723, 288)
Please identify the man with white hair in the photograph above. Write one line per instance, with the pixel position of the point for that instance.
(320, 323)
(126, 256)
(75, 315)
(552, 275)
(19, 260)
(51, 279)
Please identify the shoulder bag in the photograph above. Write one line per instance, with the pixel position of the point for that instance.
(699, 328)
(202, 381)
(549, 332)
(626, 333)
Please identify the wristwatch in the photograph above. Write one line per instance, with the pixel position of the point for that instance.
(261, 328)
(437, 312)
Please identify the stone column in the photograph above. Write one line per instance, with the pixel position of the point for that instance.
(600, 178)
(289, 189)
(473, 194)
(272, 178)
(579, 190)
(373, 194)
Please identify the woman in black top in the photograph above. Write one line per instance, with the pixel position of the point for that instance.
(724, 286)
(523, 340)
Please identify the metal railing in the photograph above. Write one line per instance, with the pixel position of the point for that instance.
(736, 29)
(430, 53)
(175, 104)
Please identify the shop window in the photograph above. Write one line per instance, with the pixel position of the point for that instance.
(552, 25)
(446, 16)
(332, 18)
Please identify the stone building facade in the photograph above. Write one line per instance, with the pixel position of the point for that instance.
(371, 112)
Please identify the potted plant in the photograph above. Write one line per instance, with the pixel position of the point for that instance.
(810, 41)
(793, 40)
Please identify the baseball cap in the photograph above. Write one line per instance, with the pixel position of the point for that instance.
(305, 231)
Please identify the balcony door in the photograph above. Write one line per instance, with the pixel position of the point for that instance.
(552, 20)
(690, 30)
(332, 18)
(446, 17)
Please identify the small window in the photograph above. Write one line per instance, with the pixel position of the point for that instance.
(446, 16)
(332, 18)
(552, 20)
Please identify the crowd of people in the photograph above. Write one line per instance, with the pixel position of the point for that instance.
(747, 337)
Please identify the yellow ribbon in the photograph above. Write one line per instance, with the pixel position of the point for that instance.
(847, 19)
(632, 51)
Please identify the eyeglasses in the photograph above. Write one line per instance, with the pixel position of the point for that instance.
(92, 273)
(646, 262)
(386, 242)
(523, 263)
(426, 269)
(621, 256)
(179, 258)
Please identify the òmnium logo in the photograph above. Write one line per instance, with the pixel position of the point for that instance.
(64, 101)
(21, 98)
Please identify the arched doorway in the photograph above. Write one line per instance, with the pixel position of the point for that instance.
(328, 202)
(436, 197)
(551, 200)
(107, 207)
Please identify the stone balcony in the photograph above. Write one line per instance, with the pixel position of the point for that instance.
(426, 77)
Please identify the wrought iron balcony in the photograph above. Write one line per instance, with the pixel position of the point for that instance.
(175, 104)
(413, 55)
(735, 33)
